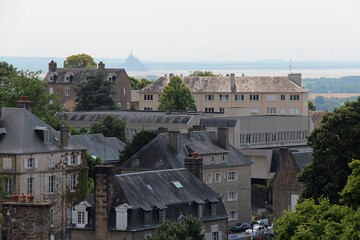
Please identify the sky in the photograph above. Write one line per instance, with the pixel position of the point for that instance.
(186, 30)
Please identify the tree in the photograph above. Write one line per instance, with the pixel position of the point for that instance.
(191, 230)
(139, 140)
(311, 106)
(79, 61)
(202, 73)
(137, 85)
(95, 93)
(351, 192)
(110, 126)
(15, 84)
(335, 143)
(176, 96)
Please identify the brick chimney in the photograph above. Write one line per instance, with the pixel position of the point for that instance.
(101, 66)
(232, 80)
(223, 137)
(52, 66)
(64, 136)
(24, 102)
(194, 165)
(296, 78)
(104, 189)
(174, 141)
(162, 130)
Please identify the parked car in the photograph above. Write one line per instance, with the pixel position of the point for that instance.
(240, 227)
(257, 228)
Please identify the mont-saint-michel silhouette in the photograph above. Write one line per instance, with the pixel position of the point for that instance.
(133, 64)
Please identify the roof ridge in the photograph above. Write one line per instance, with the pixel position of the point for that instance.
(148, 172)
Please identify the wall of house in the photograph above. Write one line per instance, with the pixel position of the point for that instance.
(59, 89)
(262, 162)
(219, 226)
(123, 91)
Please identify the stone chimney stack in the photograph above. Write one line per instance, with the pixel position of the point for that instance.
(191, 132)
(52, 66)
(24, 102)
(162, 130)
(64, 136)
(232, 79)
(174, 141)
(104, 194)
(194, 165)
(296, 78)
(101, 66)
(223, 137)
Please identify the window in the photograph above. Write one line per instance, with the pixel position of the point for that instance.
(81, 217)
(177, 184)
(239, 97)
(215, 236)
(67, 91)
(51, 78)
(74, 159)
(294, 110)
(232, 196)
(162, 215)
(51, 184)
(208, 179)
(271, 110)
(294, 97)
(232, 176)
(147, 218)
(213, 208)
(128, 105)
(195, 98)
(7, 163)
(212, 158)
(30, 163)
(73, 182)
(51, 162)
(148, 97)
(255, 111)
(224, 97)
(30, 185)
(148, 108)
(233, 215)
(282, 97)
(51, 90)
(200, 211)
(282, 111)
(218, 177)
(51, 101)
(52, 216)
(222, 109)
(124, 91)
(209, 97)
(254, 97)
(271, 98)
(67, 78)
(223, 158)
(159, 96)
(7, 185)
(209, 109)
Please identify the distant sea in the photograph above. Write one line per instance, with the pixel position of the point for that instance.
(259, 68)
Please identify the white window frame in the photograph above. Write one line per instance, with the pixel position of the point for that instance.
(232, 176)
(67, 91)
(224, 97)
(232, 196)
(233, 215)
(223, 158)
(282, 97)
(52, 217)
(294, 97)
(254, 97)
(239, 97)
(218, 177)
(148, 109)
(209, 97)
(212, 158)
(222, 109)
(51, 187)
(7, 185)
(294, 111)
(271, 98)
(271, 110)
(51, 90)
(30, 185)
(7, 163)
(52, 161)
(255, 111)
(208, 178)
(209, 109)
(73, 182)
(148, 97)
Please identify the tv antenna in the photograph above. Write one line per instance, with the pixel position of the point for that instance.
(290, 65)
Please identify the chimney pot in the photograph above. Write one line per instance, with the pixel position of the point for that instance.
(101, 66)
(52, 66)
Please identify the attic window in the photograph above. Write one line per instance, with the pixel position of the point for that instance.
(53, 77)
(149, 187)
(111, 77)
(177, 184)
(69, 77)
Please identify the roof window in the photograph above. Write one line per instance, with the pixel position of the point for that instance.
(177, 184)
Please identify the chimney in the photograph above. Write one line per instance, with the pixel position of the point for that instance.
(64, 136)
(101, 66)
(223, 137)
(296, 78)
(232, 79)
(194, 165)
(174, 141)
(104, 189)
(198, 128)
(24, 102)
(285, 157)
(162, 130)
(191, 132)
(52, 66)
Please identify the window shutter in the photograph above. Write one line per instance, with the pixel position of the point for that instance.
(208, 236)
(74, 216)
(47, 183)
(68, 159)
(36, 162)
(79, 159)
(25, 163)
(220, 235)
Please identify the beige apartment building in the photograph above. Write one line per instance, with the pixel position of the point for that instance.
(263, 95)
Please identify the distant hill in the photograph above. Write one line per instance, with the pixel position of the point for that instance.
(349, 84)
(133, 64)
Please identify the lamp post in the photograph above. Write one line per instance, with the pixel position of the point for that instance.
(250, 190)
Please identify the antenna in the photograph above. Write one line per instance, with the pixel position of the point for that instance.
(290, 66)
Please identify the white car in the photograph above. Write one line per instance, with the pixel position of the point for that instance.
(257, 229)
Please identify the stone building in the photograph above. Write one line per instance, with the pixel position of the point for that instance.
(130, 206)
(263, 95)
(39, 160)
(224, 168)
(286, 188)
(63, 80)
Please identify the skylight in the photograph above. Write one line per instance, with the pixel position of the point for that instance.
(177, 184)
(148, 186)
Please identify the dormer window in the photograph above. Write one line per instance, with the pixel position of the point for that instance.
(122, 216)
(80, 215)
(213, 208)
(69, 77)
(111, 77)
(53, 77)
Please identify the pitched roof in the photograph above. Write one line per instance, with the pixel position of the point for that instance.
(151, 189)
(302, 158)
(107, 148)
(222, 84)
(317, 116)
(159, 155)
(80, 73)
(21, 137)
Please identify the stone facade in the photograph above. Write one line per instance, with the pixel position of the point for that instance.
(26, 221)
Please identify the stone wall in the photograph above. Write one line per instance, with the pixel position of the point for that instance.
(26, 221)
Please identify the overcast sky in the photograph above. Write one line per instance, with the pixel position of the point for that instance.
(183, 30)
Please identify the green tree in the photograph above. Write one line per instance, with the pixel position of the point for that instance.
(79, 61)
(95, 93)
(311, 106)
(335, 144)
(202, 73)
(110, 126)
(139, 140)
(6, 69)
(176, 96)
(351, 192)
(19, 83)
(134, 82)
(137, 85)
(190, 230)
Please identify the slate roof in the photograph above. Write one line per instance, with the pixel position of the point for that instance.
(107, 148)
(162, 191)
(317, 116)
(222, 84)
(80, 74)
(302, 158)
(219, 122)
(158, 154)
(21, 137)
